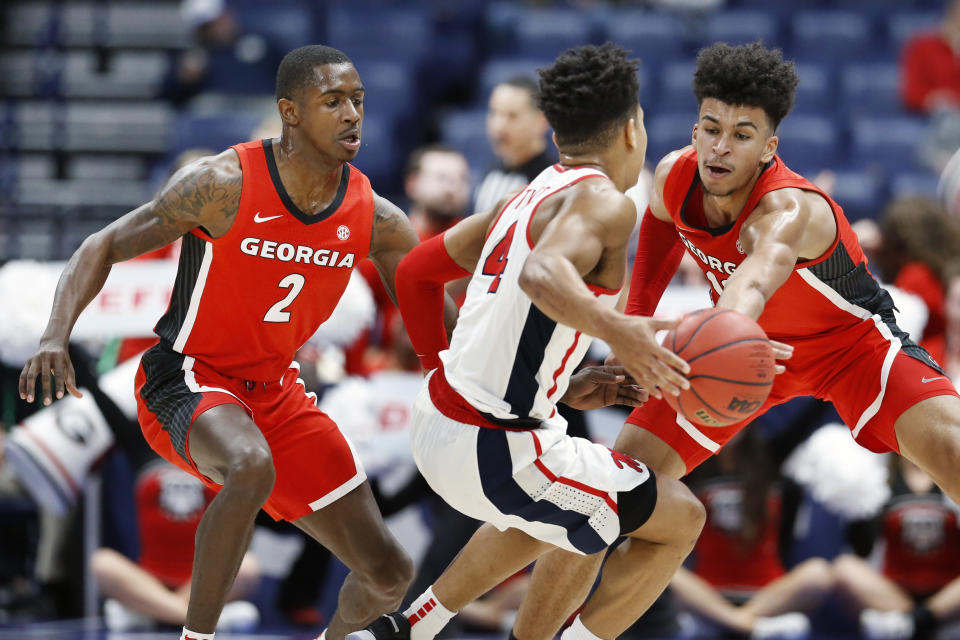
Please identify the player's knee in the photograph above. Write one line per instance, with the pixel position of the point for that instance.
(817, 574)
(393, 572)
(252, 471)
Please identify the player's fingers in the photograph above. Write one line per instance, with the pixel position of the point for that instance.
(59, 376)
(662, 324)
(28, 378)
(608, 374)
(611, 360)
(671, 380)
(781, 351)
(71, 380)
(45, 384)
(631, 397)
(778, 369)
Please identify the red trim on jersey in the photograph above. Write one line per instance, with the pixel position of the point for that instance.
(56, 461)
(602, 291)
(569, 184)
(499, 215)
(563, 362)
(567, 481)
(454, 406)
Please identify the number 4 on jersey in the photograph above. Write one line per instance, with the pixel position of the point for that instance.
(496, 262)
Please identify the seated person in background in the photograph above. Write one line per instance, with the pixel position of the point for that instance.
(738, 578)
(930, 65)
(945, 348)
(156, 588)
(918, 585)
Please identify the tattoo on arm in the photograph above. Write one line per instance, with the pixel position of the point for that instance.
(200, 195)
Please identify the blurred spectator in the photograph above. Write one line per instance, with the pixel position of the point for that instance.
(918, 585)
(738, 580)
(226, 57)
(156, 588)
(918, 240)
(437, 184)
(945, 348)
(517, 131)
(930, 65)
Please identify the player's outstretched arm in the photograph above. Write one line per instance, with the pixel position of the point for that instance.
(787, 224)
(593, 226)
(204, 193)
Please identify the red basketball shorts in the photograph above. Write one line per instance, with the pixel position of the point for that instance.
(315, 463)
(869, 375)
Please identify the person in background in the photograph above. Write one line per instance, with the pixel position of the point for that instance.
(517, 130)
(917, 587)
(156, 588)
(930, 65)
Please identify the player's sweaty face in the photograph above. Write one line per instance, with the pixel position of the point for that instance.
(332, 110)
(730, 141)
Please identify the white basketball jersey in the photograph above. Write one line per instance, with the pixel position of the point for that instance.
(506, 357)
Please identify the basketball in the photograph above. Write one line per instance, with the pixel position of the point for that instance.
(731, 366)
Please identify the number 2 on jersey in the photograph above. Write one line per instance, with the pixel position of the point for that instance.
(496, 262)
(278, 312)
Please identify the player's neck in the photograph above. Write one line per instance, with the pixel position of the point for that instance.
(723, 209)
(310, 178)
(599, 161)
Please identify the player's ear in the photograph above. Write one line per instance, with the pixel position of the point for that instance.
(630, 133)
(288, 112)
(770, 149)
(553, 136)
(693, 134)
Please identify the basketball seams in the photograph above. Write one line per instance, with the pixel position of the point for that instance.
(729, 380)
(693, 334)
(724, 346)
(719, 414)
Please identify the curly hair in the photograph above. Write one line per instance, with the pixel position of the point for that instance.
(917, 229)
(296, 69)
(750, 75)
(588, 93)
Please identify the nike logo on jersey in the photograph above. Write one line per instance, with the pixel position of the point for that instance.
(286, 252)
(932, 379)
(258, 218)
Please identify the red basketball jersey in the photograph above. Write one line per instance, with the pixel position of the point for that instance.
(170, 504)
(245, 302)
(830, 293)
(722, 557)
(922, 542)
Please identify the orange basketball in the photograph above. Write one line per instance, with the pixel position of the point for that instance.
(731, 366)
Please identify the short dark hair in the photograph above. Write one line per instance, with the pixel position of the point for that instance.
(748, 74)
(296, 69)
(415, 160)
(588, 92)
(528, 84)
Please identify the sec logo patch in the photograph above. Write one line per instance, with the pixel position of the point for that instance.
(343, 232)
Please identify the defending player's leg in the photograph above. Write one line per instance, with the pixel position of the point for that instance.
(380, 570)
(929, 435)
(637, 572)
(560, 582)
(228, 448)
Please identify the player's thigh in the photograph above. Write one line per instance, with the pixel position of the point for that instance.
(650, 449)
(929, 435)
(223, 438)
(677, 517)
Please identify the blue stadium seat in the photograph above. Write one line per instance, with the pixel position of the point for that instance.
(215, 132)
(548, 32)
(862, 193)
(914, 184)
(291, 25)
(389, 34)
(901, 26)
(888, 141)
(500, 70)
(651, 36)
(389, 87)
(381, 157)
(831, 35)
(809, 142)
(675, 90)
(871, 89)
(816, 91)
(466, 131)
(668, 132)
(740, 27)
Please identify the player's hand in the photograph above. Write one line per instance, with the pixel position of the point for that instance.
(651, 365)
(781, 351)
(49, 361)
(601, 386)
